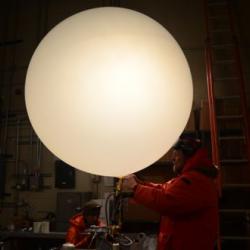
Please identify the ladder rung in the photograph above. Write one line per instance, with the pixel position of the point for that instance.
(225, 138)
(10, 69)
(228, 61)
(222, 46)
(233, 161)
(235, 237)
(236, 185)
(217, 3)
(225, 210)
(226, 78)
(229, 117)
(12, 84)
(216, 17)
(229, 97)
(10, 42)
(220, 30)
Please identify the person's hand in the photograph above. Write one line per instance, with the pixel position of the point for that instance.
(129, 183)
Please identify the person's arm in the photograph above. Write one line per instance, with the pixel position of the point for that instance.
(131, 181)
(72, 235)
(153, 185)
(180, 198)
(149, 184)
(84, 242)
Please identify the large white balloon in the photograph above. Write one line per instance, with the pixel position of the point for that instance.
(108, 91)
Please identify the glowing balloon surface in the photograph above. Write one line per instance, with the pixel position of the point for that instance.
(108, 91)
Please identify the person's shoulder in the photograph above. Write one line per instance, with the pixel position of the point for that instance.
(196, 178)
(77, 219)
(79, 215)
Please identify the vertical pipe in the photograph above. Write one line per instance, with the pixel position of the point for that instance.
(17, 172)
(37, 151)
(40, 152)
(212, 109)
(3, 57)
(211, 98)
(16, 25)
(213, 124)
(31, 149)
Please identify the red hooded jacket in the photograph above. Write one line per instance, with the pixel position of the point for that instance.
(75, 232)
(188, 205)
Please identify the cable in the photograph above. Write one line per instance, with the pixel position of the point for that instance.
(92, 239)
(106, 207)
(125, 240)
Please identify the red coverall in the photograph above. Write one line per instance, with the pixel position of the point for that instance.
(74, 234)
(188, 205)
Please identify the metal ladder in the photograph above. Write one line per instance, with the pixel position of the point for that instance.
(229, 118)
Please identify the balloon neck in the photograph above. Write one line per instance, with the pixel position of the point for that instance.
(119, 186)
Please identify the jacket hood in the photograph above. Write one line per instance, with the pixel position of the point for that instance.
(201, 163)
(78, 221)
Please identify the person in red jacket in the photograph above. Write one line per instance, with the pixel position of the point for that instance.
(188, 204)
(80, 222)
